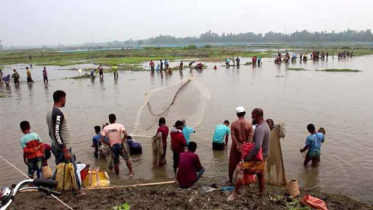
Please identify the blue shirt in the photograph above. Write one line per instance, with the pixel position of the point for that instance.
(219, 133)
(133, 144)
(186, 132)
(96, 139)
(314, 141)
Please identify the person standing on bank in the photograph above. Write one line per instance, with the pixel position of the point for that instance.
(241, 132)
(261, 141)
(58, 129)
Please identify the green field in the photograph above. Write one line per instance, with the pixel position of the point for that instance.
(130, 59)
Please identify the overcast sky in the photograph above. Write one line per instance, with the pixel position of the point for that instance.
(49, 22)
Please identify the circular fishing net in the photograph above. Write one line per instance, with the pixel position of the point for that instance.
(184, 100)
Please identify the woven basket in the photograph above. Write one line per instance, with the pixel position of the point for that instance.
(293, 188)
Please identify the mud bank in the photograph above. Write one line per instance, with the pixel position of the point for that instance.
(172, 197)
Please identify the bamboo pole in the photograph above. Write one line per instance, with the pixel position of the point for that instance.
(114, 187)
(130, 186)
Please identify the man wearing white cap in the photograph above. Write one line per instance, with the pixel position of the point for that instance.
(241, 132)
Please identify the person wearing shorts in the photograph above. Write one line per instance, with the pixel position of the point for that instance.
(33, 150)
(118, 147)
(313, 145)
(120, 150)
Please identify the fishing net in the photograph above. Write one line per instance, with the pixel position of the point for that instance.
(184, 100)
(275, 173)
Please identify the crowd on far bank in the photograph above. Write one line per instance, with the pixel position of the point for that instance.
(255, 148)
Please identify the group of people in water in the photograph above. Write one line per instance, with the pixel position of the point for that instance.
(100, 70)
(255, 146)
(16, 77)
(345, 54)
(164, 66)
(233, 62)
(315, 56)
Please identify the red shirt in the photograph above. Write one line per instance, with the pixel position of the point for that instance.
(178, 142)
(189, 164)
(164, 130)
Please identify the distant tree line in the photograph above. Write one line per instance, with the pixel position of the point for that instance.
(298, 36)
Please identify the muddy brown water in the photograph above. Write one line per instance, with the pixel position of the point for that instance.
(339, 102)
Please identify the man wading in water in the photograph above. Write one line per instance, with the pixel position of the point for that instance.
(241, 131)
(58, 130)
(313, 145)
(162, 132)
(118, 146)
(101, 71)
(29, 78)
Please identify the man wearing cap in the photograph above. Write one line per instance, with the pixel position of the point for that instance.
(241, 131)
(261, 141)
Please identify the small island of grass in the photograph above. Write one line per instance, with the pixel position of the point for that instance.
(340, 70)
(296, 69)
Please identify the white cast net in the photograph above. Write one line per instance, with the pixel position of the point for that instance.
(184, 100)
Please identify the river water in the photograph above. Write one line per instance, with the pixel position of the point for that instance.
(339, 102)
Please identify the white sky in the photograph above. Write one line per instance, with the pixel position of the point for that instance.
(49, 22)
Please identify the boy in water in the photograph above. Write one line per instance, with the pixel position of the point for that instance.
(96, 140)
(313, 145)
(33, 150)
(187, 131)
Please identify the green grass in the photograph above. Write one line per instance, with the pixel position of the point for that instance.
(135, 56)
(296, 69)
(340, 70)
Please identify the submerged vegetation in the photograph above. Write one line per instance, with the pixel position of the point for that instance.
(296, 69)
(340, 70)
(84, 76)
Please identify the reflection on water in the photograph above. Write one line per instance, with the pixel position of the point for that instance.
(308, 178)
(293, 97)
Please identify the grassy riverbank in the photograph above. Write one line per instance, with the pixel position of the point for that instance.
(135, 56)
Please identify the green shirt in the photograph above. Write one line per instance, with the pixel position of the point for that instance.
(115, 69)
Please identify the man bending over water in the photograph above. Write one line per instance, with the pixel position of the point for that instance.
(313, 145)
(221, 132)
(118, 147)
